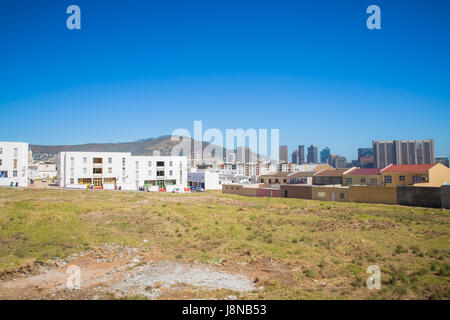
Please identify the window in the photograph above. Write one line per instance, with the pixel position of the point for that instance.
(363, 180)
(15, 152)
(348, 180)
(170, 173)
(97, 170)
(3, 174)
(109, 170)
(72, 181)
(181, 165)
(1, 150)
(72, 161)
(15, 174)
(160, 173)
(149, 172)
(170, 163)
(123, 162)
(325, 180)
(270, 180)
(321, 194)
(85, 160)
(84, 170)
(97, 160)
(85, 181)
(160, 163)
(417, 179)
(284, 180)
(109, 160)
(124, 179)
(149, 163)
(15, 163)
(71, 172)
(262, 180)
(318, 180)
(123, 171)
(387, 179)
(342, 196)
(1, 162)
(402, 178)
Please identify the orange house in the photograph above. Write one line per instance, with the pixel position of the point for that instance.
(425, 175)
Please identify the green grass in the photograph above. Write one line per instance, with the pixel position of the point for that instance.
(331, 242)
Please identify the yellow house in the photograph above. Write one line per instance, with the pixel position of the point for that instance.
(362, 177)
(425, 175)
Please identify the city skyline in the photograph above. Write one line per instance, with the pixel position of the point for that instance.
(132, 74)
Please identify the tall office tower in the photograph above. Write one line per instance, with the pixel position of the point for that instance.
(301, 154)
(295, 157)
(284, 154)
(341, 162)
(403, 152)
(324, 155)
(243, 154)
(312, 154)
(365, 158)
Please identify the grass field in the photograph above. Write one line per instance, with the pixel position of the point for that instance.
(322, 249)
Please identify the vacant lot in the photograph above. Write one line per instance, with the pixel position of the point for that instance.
(136, 245)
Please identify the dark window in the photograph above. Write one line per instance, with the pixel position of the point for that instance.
(160, 163)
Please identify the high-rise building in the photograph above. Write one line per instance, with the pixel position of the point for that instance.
(301, 154)
(442, 159)
(295, 157)
(365, 158)
(243, 154)
(403, 152)
(284, 154)
(341, 162)
(324, 155)
(312, 154)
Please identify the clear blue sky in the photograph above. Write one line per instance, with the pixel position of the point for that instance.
(140, 69)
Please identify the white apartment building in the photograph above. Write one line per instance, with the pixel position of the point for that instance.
(41, 170)
(14, 164)
(120, 170)
(155, 172)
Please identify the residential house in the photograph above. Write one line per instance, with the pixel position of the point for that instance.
(431, 175)
(362, 177)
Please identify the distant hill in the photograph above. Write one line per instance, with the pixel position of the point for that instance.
(142, 147)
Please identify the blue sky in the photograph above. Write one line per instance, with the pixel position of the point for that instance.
(140, 69)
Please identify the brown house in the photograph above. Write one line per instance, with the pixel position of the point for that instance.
(329, 177)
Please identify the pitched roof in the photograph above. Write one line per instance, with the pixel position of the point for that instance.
(302, 174)
(364, 172)
(276, 174)
(330, 173)
(408, 168)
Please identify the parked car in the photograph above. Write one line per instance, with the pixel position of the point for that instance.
(44, 180)
(176, 190)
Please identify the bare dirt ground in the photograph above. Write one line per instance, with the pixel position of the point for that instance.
(114, 272)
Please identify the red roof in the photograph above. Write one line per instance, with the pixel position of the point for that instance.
(408, 168)
(364, 172)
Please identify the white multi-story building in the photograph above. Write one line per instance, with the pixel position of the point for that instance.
(14, 164)
(41, 170)
(154, 172)
(120, 170)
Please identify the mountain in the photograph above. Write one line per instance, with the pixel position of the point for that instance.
(142, 147)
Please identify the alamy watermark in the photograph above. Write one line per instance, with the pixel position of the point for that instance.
(235, 145)
(74, 278)
(374, 281)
